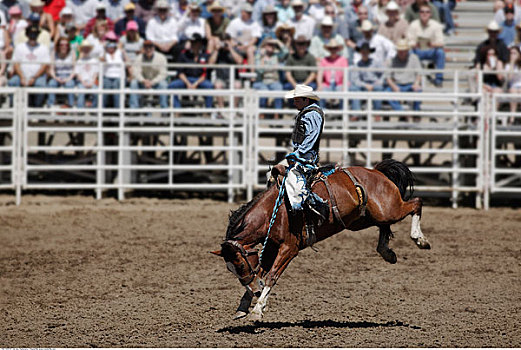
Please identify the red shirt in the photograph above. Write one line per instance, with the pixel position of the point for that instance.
(54, 7)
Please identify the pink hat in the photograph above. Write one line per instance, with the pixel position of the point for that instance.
(111, 36)
(132, 25)
(14, 10)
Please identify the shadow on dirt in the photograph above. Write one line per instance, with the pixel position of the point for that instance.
(257, 327)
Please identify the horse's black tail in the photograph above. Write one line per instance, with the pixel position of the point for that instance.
(399, 174)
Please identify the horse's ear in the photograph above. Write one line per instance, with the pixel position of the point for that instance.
(217, 252)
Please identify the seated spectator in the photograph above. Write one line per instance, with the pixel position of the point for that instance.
(115, 9)
(508, 27)
(145, 9)
(194, 78)
(304, 24)
(426, 39)
(317, 10)
(61, 70)
(75, 39)
(100, 16)
(492, 68)
(445, 13)
(318, 48)
(215, 26)
(46, 20)
(269, 23)
(379, 10)
(54, 8)
(17, 24)
(513, 69)
(66, 17)
(384, 48)
(413, 11)
(6, 5)
(405, 74)
(300, 57)
(367, 80)
(162, 31)
(179, 9)
(350, 29)
(269, 55)
(31, 74)
(492, 41)
(87, 70)
(331, 74)
(284, 11)
(191, 24)
(245, 33)
(83, 11)
(44, 38)
(113, 69)
(121, 24)
(395, 28)
(149, 72)
(285, 33)
(352, 11)
(131, 43)
(499, 14)
(97, 38)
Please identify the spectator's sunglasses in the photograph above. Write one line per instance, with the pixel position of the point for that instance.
(148, 46)
(425, 11)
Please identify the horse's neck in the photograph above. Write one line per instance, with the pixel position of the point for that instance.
(258, 217)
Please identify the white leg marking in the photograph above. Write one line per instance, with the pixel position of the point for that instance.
(261, 303)
(416, 231)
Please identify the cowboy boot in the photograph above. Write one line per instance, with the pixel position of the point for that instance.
(310, 226)
(319, 208)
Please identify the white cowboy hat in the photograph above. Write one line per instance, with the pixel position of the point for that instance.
(366, 26)
(327, 21)
(402, 45)
(493, 26)
(302, 90)
(392, 6)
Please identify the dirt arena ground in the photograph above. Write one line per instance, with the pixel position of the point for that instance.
(79, 273)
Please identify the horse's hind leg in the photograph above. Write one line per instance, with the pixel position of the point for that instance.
(383, 244)
(416, 232)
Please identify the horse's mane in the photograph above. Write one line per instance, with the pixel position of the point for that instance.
(235, 220)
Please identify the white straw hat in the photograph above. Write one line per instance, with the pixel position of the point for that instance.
(302, 90)
(493, 26)
(366, 26)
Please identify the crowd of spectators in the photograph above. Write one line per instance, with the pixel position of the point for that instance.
(59, 43)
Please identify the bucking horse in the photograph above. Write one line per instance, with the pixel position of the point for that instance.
(358, 198)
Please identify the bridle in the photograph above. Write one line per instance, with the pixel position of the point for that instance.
(245, 253)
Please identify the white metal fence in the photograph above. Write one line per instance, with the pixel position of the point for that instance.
(454, 149)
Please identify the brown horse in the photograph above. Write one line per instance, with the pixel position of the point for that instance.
(385, 189)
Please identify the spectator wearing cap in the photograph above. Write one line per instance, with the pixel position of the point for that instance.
(17, 24)
(44, 37)
(301, 58)
(445, 8)
(66, 17)
(6, 5)
(83, 11)
(245, 33)
(146, 9)
(131, 43)
(97, 38)
(304, 24)
(404, 74)
(268, 78)
(194, 78)
(269, 23)
(331, 69)
(366, 78)
(258, 8)
(113, 69)
(115, 8)
(499, 15)
(101, 14)
(61, 70)
(191, 24)
(284, 11)
(508, 27)
(87, 70)
(413, 11)
(31, 61)
(350, 29)
(493, 30)
(395, 28)
(326, 34)
(426, 39)
(46, 20)
(215, 26)
(285, 33)
(162, 30)
(384, 48)
(149, 72)
(121, 24)
(54, 8)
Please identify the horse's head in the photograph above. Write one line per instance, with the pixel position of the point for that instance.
(242, 262)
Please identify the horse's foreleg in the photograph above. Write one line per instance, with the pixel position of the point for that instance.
(383, 244)
(416, 232)
(244, 305)
(285, 255)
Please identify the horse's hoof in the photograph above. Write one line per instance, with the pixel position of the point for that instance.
(422, 243)
(254, 316)
(239, 315)
(388, 256)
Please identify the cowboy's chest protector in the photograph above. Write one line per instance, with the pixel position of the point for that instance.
(299, 132)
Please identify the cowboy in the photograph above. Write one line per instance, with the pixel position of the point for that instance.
(303, 160)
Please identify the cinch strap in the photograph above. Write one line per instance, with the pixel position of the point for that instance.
(360, 190)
